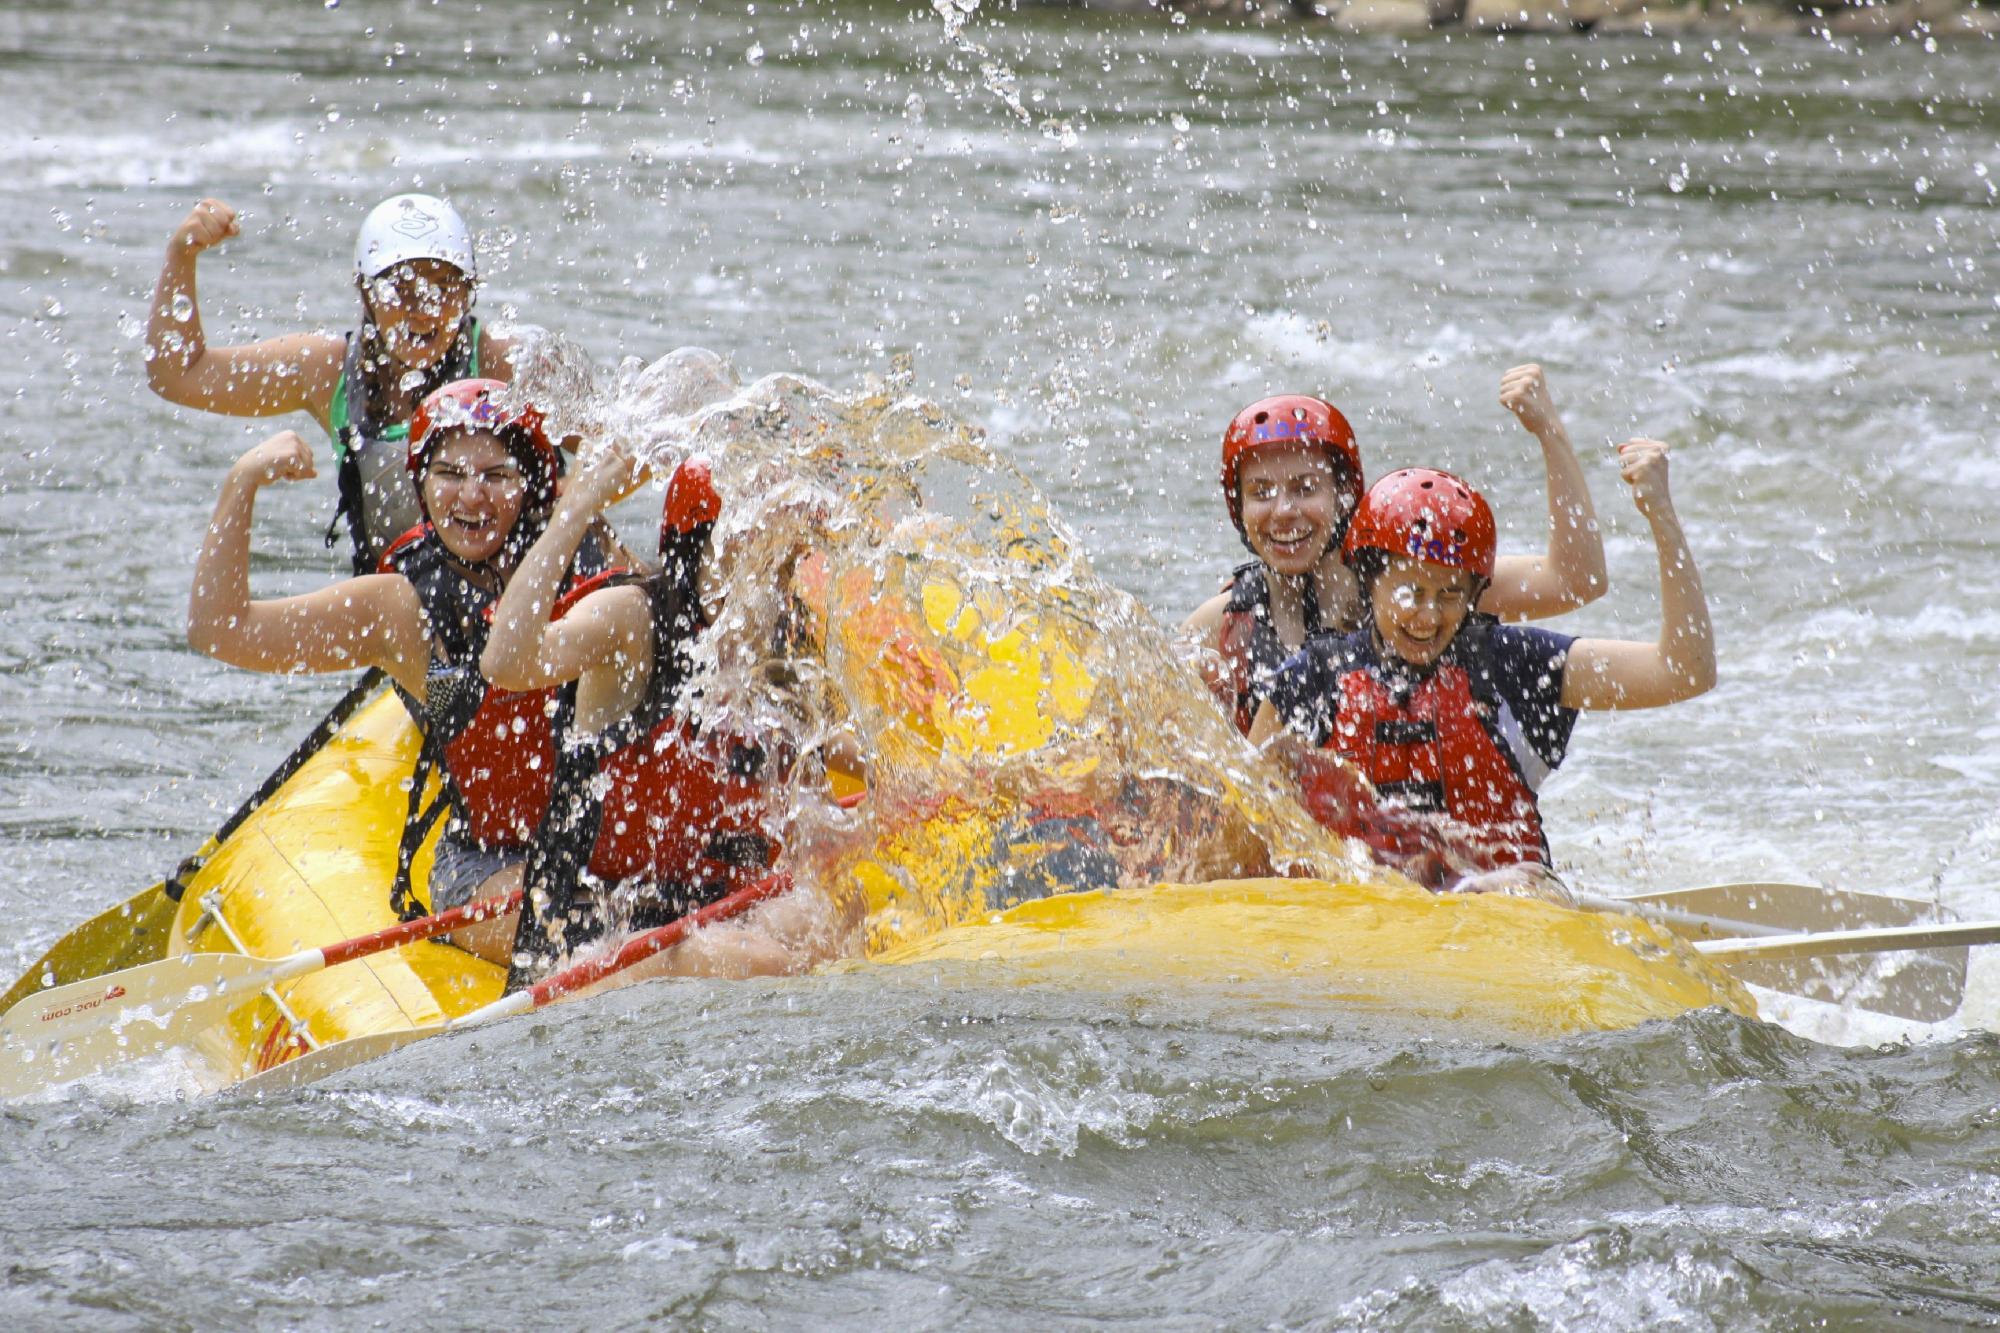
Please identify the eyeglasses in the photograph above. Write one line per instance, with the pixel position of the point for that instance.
(506, 482)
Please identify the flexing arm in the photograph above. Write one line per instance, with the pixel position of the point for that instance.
(1571, 572)
(1611, 673)
(294, 373)
(370, 621)
(609, 631)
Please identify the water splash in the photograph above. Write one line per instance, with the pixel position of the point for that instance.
(893, 587)
(995, 75)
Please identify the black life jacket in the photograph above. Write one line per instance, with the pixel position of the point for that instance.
(1248, 640)
(494, 750)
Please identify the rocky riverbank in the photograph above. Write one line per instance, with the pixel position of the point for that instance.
(1915, 19)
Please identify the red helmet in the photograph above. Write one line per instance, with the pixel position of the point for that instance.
(1432, 516)
(1286, 420)
(692, 499)
(469, 405)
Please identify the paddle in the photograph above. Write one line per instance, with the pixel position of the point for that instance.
(1831, 943)
(136, 931)
(88, 1026)
(315, 1065)
(1926, 986)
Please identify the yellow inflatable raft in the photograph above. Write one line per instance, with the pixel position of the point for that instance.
(311, 864)
(1008, 790)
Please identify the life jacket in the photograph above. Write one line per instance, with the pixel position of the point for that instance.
(377, 499)
(653, 816)
(495, 749)
(1435, 743)
(1248, 640)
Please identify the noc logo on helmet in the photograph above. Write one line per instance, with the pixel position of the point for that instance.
(1433, 550)
(1281, 429)
(482, 412)
(415, 222)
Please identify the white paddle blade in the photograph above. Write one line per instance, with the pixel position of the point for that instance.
(69, 1032)
(1924, 986)
(1913, 971)
(1795, 908)
(327, 1060)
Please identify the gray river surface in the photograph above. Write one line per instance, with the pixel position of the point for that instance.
(1778, 256)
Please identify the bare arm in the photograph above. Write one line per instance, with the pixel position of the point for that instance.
(1201, 630)
(374, 620)
(496, 362)
(1571, 572)
(608, 632)
(1613, 673)
(1266, 725)
(294, 373)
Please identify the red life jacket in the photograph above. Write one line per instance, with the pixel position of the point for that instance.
(497, 747)
(651, 817)
(1435, 749)
(1248, 641)
(684, 807)
(660, 799)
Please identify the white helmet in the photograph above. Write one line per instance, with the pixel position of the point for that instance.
(413, 226)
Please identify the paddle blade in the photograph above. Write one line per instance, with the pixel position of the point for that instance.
(327, 1060)
(131, 933)
(69, 1032)
(1797, 909)
(1925, 986)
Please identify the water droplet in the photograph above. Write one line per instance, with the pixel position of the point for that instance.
(412, 379)
(1677, 182)
(333, 4)
(755, 55)
(183, 307)
(1180, 123)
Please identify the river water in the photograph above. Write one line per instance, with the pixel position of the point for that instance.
(1097, 238)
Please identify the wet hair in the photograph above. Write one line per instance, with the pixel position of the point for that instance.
(1347, 486)
(674, 592)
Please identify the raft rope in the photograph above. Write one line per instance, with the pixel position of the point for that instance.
(211, 910)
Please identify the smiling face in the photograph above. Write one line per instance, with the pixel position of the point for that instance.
(418, 307)
(1292, 505)
(473, 492)
(1418, 607)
